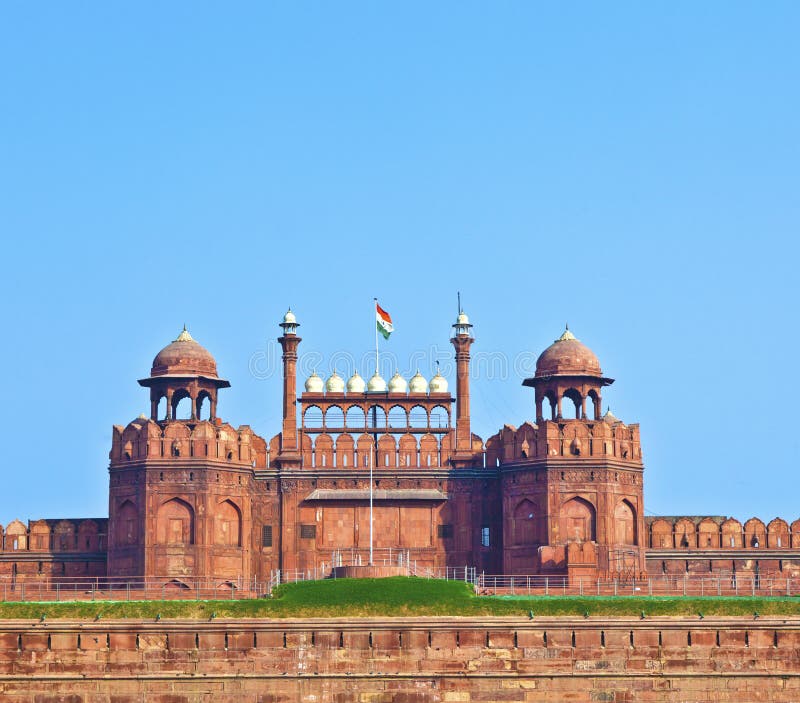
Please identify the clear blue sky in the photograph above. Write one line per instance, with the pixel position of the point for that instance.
(629, 168)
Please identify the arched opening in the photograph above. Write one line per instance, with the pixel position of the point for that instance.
(228, 524)
(181, 405)
(549, 406)
(312, 417)
(524, 531)
(376, 417)
(440, 417)
(625, 523)
(161, 408)
(175, 523)
(418, 417)
(398, 417)
(334, 417)
(593, 410)
(577, 521)
(126, 530)
(572, 409)
(355, 417)
(204, 406)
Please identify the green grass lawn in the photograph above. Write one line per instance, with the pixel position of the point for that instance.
(402, 596)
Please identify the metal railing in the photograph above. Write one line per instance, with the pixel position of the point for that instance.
(666, 585)
(103, 588)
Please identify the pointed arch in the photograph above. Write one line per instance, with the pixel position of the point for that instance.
(778, 534)
(182, 405)
(175, 523)
(523, 528)
(625, 523)
(577, 521)
(398, 417)
(312, 417)
(574, 412)
(334, 417)
(685, 534)
(387, 452)
(228, 524)
(345, 446)
(126, 524)
(708, 534)
(355, 418)
(323, 451)
(204, 404)
(408, 451)
(661, 534)
(755, 533)
(731, 530)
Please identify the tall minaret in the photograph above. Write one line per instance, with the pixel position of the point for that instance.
(462, 340)
(289, 456)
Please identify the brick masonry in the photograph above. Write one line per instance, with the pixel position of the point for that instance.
(738, 660)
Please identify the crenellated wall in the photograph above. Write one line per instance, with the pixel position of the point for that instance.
(738, 660)
(717, 532)
(202, 440)
(576, 439)
(53, 550)
(184, 501)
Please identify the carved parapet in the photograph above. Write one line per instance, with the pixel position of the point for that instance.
(182, 439)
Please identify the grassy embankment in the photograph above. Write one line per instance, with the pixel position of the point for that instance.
(402, 596)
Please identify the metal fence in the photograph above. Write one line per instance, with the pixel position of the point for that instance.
(666, 585)
(179, 588)
(128, 589)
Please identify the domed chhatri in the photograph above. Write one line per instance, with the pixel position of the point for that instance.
(418, 384)
(314, 383)
(438, 383)
(376, 384)
(567, 356)
(609, 417)
(356, 384)
(290, 323)
(397, 384)
(335, 384)
(184, 357)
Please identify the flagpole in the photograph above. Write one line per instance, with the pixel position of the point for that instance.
(376, 334)
(373, 453)
(372, 461)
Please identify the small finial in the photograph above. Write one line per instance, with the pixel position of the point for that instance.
(184, 336)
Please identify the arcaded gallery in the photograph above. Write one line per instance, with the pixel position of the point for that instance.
(388, 470)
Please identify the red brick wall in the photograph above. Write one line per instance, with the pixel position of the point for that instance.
(669, 659)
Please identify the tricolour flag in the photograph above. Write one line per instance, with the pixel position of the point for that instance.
(384, 321)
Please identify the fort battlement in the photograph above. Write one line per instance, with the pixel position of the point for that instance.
(182, 440)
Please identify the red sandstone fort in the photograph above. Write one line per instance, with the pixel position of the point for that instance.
(194, 497)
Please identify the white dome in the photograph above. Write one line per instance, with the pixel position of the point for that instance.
(355, 384)
(462, 318)
(289, 318)
(376, 384)
(397, 384)
(335, 384)
(314, 383)
(418, 384)
(438, 384)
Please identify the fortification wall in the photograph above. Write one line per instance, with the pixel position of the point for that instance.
(411, 660)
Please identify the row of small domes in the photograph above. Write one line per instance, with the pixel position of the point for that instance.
(376, 384)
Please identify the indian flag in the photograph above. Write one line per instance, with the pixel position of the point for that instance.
(384, 321)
